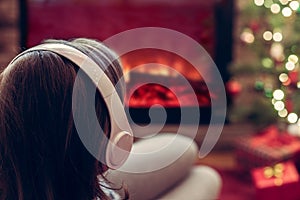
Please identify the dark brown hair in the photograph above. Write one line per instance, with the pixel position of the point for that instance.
(41, 154)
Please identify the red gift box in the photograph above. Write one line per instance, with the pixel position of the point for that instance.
(266, 148)
(277, 182)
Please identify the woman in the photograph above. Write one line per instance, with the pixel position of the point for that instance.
(42, 156)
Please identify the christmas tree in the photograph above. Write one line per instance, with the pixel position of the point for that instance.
(265, 73)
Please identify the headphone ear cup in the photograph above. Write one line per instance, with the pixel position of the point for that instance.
(118, 149)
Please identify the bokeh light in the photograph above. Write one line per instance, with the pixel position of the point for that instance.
(294, 5)
(277, 36)
(283, 113)
(283, 77)
(279, 105)
(284, 2)
(290, 66)
(292, 117)
(278, 94)
(286, 12)
(275, 8)
(268, 35)
(259, 2)
(267, 63)
(247, 36)
(293, 58)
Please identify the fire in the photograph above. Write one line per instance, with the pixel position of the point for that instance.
(146, 56)
(156, 66)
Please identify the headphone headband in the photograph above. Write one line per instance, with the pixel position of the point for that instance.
(121, 138)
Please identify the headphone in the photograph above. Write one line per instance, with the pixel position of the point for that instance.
(121, 138)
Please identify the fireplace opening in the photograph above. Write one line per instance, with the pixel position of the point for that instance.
(168, 79)
(156, 78)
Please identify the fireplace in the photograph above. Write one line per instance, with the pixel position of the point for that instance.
(150, 94)
(207, 22)
(164, 86)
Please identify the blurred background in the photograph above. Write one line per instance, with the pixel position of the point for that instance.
(255, 45)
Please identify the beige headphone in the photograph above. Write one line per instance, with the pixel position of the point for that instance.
(121, 138)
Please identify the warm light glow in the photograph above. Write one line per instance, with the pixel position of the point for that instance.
(276, 51)
(259, 2)
(294, 5)
(283, 77)
(277, 37)
(279, 105)
(268, 35)
(275, 8)
(149, 58)
(247, 36)
(267, 62)
(283, 113)
(298, 84)
(292, 117)
(278, 94)
(293, 58)
(287, 83)
(290, 66)
(294, 129)
(287, 12)
(284, 2)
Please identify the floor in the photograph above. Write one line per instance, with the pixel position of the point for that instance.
(224, 160)
(236, 184)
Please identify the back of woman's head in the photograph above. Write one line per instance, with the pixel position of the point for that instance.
(41, 154)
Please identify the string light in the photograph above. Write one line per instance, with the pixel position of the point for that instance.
(268, 35)
(292, 118)
(259, 2)
(277, 52)
(275, 8)
(290, 66)
(277, 37)
(278, 94)
(284, 2)
(283, 113)
(267, 63)
(294, 5)
(283, 77)
(279, 105)
(286, 12)
(293, 58)
(247, 36)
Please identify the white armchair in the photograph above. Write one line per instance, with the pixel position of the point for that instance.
(181, 179)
